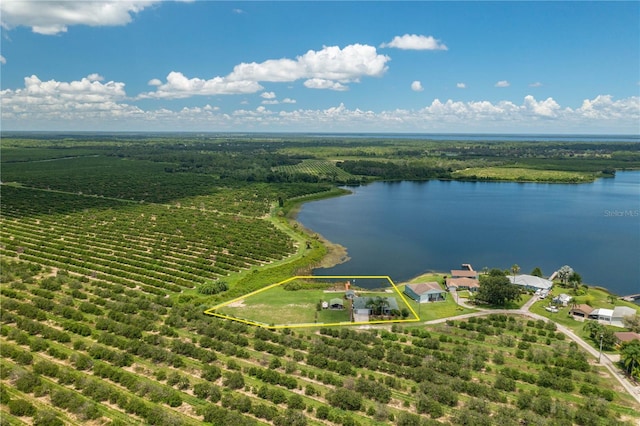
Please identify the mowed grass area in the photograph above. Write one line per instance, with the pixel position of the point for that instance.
(434, 310)
(280, 306)
(277, 306)
(522, 175)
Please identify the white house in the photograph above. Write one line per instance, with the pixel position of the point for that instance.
(601, 314)
(531, 282)
(619, 312)
(562, 299)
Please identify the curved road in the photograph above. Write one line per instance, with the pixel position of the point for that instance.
(634, 391)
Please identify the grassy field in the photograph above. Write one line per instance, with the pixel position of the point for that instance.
(281, 306)
(522, 175)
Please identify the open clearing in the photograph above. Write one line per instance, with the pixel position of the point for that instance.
(298, 302)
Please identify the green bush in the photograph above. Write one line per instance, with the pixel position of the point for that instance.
(213, 287)
(20, 408)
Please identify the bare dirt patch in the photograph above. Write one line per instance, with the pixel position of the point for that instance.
(237, 304)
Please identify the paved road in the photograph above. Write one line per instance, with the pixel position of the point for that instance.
(604, 360)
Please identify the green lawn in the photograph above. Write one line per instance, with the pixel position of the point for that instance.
(436, 310)
(522, 174)
(278, 306)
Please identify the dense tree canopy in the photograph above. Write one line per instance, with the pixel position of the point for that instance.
(496, 289)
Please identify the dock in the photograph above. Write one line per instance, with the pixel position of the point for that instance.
(631, 297)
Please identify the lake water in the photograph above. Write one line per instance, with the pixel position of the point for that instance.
(403, 229)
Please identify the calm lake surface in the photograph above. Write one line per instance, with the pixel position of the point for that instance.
(403, 229)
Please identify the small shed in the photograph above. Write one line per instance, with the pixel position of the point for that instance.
(349, 294)
(425, 292)
(336, 303)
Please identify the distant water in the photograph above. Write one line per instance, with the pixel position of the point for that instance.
(475, 137)
(492, 137)
(403, 229)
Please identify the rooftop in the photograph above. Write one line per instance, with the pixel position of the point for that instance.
(531, 281)
(422, 288)
(463, 282)
(463, 273)
(583, 308)
(627, 336)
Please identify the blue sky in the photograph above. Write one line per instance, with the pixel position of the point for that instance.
(460, 67)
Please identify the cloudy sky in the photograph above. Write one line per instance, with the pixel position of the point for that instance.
(430, 67)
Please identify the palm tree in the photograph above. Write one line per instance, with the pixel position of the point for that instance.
(377, 304)
(630, 356)
(593, 328)
(514, 270)
(371, 304)
(384, 303)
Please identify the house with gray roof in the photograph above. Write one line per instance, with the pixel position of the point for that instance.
(362, 305)
(619, 312)
(425, 292)
(531, 282)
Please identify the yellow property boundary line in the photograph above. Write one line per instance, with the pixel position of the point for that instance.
(212, 311)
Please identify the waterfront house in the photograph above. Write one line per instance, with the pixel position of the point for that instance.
(471, 284)
(531, 282)
(464, 273)
(619, 312)
(425, 292)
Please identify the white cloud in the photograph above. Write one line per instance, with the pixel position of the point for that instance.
(415, 42)
(238, 11)
(277, 102)
(536, 84)
(416, 86)
(3, 60)
(268, 95)
(502, 83)
(331, 63)
(330, 68)
(603, 107)
(154, 82)
(65, 103)
(178, 86)
(92, 103)
(54, 17)
(461, 85)
(546, 108)
(95, 77)
(321, 83)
